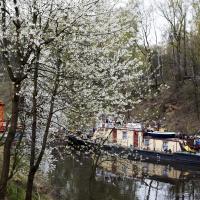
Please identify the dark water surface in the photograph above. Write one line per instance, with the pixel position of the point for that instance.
(121, 179)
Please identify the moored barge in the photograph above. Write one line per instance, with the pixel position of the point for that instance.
(173, 159)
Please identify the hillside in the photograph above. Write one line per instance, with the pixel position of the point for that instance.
(173, 108)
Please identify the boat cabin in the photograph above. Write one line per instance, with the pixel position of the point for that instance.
(126, 136)
(133, 137)
(170, 145)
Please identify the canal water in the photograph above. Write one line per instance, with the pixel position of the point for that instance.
(108, 178)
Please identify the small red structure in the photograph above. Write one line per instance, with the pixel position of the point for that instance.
(2, 116)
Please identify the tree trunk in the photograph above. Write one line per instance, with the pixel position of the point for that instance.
(8, 143)
(29, 186)
(178, 57)
(185, 50)
(32, 169)
(196, 90)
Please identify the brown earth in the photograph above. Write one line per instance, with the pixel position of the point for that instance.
(173, 108)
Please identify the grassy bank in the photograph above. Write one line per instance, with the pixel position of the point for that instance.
(17, 189)
(17, 186)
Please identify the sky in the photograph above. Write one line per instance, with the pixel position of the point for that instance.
(160, 24)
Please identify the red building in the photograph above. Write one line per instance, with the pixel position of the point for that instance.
(1, 116)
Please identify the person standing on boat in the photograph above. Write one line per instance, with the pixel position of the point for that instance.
(158, 126)
(197, 143)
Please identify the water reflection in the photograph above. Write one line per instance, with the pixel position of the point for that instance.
(120, 179)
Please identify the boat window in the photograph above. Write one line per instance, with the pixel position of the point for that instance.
(146, 142)
(165, 146)
(125, 135)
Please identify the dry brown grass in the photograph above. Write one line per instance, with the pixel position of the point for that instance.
(175, 108)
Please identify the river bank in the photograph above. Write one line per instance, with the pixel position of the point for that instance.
(17, 185)
(17, 189)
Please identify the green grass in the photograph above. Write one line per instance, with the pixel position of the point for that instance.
(17, 186)
(17, 191)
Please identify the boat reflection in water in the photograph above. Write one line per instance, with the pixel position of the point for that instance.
(121, 179)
